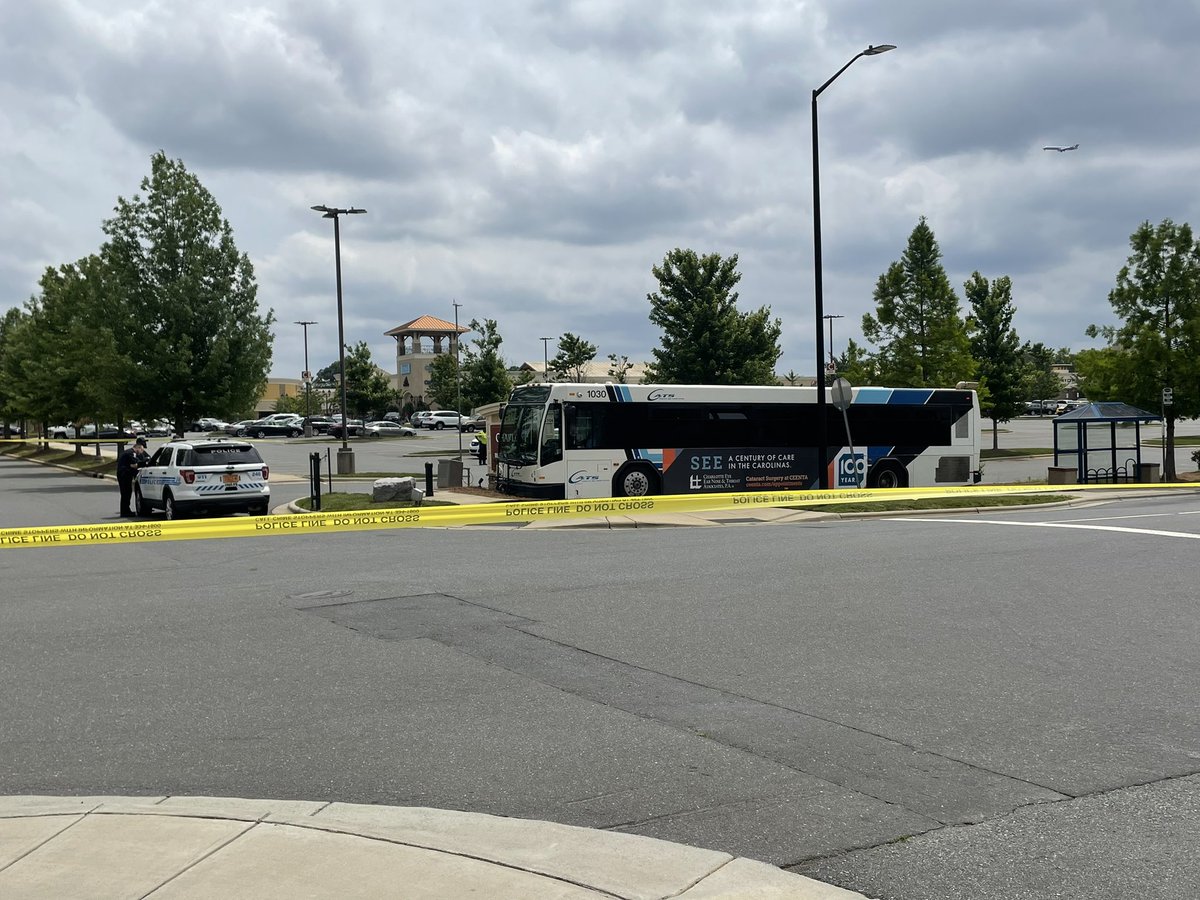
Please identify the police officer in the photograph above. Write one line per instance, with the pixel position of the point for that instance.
(482, 438)
(128, 463)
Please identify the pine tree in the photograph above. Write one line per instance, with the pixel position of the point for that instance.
(995, 346)
(920, 335)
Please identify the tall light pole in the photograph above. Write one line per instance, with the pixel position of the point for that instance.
(307, 375)
(822, 431)
(345, 456)
(829, 319)
(546, 357)
(457, 381)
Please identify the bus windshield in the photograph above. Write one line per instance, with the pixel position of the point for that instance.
(519, 434)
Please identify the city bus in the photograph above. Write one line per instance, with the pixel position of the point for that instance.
(569, 441)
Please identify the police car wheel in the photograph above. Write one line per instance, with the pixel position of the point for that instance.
(169, 510)
(140, 506)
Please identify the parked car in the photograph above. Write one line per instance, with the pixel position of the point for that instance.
(238, 429)
(107, 432)
(283, 418)
(388, 429)
(209, 475)
(354, 427)
(445, 418)
(61, 431)
(320, 424)
(421, 418)
(474, 423)
(262, 428)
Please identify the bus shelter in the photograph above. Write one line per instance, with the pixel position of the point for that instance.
(1102, 442)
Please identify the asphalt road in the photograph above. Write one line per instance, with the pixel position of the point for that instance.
(983, 706)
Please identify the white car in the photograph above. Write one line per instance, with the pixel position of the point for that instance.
(384, 428)
(421, 419)
(210, 475)
(445, 418)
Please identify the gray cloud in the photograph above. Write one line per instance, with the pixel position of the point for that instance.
(534, 158)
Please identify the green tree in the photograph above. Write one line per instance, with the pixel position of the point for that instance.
(571, 362)
(368, 388)
(73, 370)
(1038, 380)
(995, 346)
(290, 404)
(443, 381)
(14, 327)
(1103, 372)
(618, 367)
(858, 366)
(485, 378)
(1157, 298)
(182, 301)
(920, 335)
(705, 339)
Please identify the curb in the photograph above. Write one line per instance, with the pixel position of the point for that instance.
(194, 847)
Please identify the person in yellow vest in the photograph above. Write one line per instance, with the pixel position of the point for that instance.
(481, 437)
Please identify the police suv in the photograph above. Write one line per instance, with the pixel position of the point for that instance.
(203, 476)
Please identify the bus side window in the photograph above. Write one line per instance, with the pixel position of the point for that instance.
(552, 435)
(581, 431)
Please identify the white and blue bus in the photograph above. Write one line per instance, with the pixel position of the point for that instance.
(568, 441)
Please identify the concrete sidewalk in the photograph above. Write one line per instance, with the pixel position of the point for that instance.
(171, 848)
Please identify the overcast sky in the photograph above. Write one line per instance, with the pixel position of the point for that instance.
(532, 159)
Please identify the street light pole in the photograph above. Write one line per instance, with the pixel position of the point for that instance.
(829, 319)
(546, 357)
(822, 425)
(345, 456)
(457, 381)
(307, 373)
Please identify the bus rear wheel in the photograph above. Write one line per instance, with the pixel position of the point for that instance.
(635, 481)
(887, 475)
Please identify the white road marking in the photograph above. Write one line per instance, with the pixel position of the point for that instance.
(1111, 518)
(1117, 528)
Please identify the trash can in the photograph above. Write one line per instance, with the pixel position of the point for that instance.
(449, 473)
(1147, 473)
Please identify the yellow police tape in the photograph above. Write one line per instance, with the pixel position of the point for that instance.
(492, 514)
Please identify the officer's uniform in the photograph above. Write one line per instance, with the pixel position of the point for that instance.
(127, 465)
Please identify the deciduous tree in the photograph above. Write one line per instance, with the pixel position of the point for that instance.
(705, 338)
(1157, 298)
(571, 362)
(485, 378)
(182, 301)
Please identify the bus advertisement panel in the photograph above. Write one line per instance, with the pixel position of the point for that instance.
(571, 441)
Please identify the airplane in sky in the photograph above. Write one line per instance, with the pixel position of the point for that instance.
(1063, 149)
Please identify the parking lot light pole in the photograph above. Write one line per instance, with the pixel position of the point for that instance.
(822, 425)
(457, 381)
(307, 377)
(546, 357)
(345, 456)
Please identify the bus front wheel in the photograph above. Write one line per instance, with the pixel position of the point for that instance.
(635, 481)
(887, 475)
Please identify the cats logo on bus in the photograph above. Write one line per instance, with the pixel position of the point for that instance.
(851, 469)
(581, 476)
(658, 394)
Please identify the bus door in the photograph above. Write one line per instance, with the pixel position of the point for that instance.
(589, 466)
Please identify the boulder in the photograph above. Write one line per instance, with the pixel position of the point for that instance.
(388, 489)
